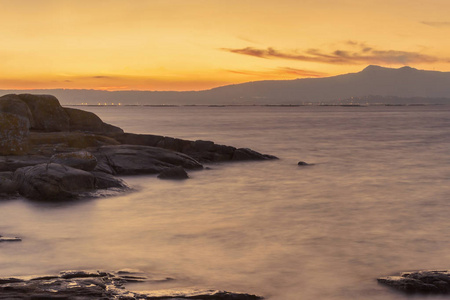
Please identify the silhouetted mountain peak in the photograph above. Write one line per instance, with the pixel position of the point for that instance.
(372, 68)
(375, 68)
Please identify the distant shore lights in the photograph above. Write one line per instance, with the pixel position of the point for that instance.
(103, 104)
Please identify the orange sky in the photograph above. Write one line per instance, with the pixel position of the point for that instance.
(200, 44)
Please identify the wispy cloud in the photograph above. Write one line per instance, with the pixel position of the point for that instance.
(280, 72)
(359, 53)
(102, 77)
(436, 24)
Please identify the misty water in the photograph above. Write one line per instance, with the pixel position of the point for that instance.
(376, 202)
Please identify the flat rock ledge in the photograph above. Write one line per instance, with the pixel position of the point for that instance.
(87, 285)
(419, 282)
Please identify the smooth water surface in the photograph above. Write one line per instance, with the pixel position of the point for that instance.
(375, 202)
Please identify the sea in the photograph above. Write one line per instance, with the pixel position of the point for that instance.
(374, 201)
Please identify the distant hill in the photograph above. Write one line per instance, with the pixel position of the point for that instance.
(374, 84)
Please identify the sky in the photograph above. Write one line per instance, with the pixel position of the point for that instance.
(200, 44)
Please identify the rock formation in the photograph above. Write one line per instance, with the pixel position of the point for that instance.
(420, 282)
(94, 285)
(49, 152)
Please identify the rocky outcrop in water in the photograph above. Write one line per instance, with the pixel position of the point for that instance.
(57, 153)
(95, 285)
(202, 151)
(420, 282)
(9, 239)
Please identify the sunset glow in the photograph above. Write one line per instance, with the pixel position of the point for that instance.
(200, 44)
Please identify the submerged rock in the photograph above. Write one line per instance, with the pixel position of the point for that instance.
(422, 282)
(174, 173)
(90, 285)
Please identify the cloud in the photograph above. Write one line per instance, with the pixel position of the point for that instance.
(280, 72)
(102, 77)
(359, 53)
(436, 24)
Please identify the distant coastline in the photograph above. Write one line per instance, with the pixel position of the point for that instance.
(372, 86)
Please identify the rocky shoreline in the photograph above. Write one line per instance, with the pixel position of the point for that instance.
(53, 153)
(96, 285)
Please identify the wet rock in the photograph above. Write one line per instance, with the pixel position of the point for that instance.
(132, 160)
(90, 285)
(176, 173)
(302, 163)
(421, 282)
(52, 182)
(89, 122)
(108, 181)
(202, 151)
(82, 160)
(13, 134)
(248, 154)
(10, 239)
(48, 114)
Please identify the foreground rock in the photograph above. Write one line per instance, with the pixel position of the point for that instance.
(96, 285)
(58, 182)
(422, 282)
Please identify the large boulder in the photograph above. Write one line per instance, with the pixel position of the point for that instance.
(13, 134)
(48, 114)
(90, 122)
(53, 182)
(132, 160)
(82, 160)
(14, 105)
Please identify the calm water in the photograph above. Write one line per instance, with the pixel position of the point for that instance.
(376, 202)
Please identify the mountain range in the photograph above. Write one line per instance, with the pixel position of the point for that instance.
(372, 85)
